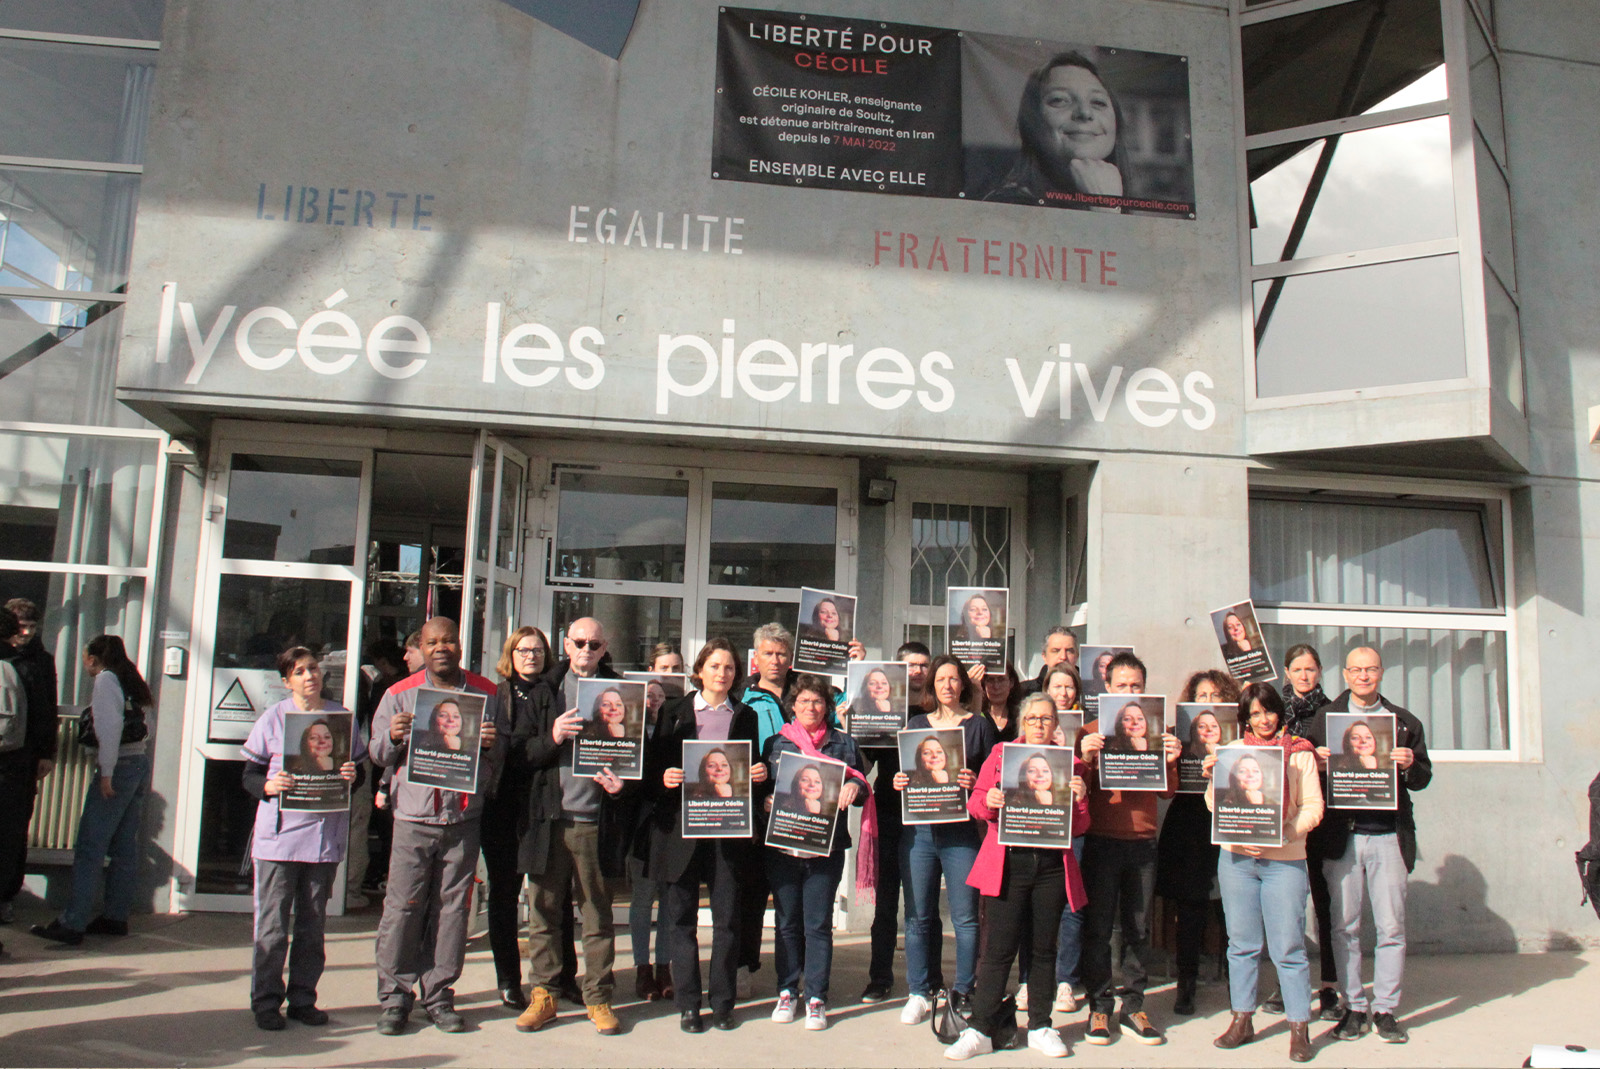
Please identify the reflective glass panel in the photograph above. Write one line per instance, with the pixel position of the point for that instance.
(485, 505)
(508, 543)
(1494, 215)
(57, 372)
(227, 816)
(135, 19)
(1363, 327)
(1484, 85)
(75, 609)
(634, 625)
(737, 621)
(67, 230)
(1505, 340)
(957, 545)
(773, 536)
(301, 509)
(74, 102)
(77, 500)
(258, 617)
(621, 527)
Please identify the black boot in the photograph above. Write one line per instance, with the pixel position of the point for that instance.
(1184, 1004)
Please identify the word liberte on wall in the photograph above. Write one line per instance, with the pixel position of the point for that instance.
(533, 355)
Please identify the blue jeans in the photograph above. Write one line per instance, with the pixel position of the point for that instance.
(926, 850)
(803, 889)
(109, 828)
(1265, 902)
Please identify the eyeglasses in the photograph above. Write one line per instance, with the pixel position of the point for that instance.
(587, 644)
(809, 703)
(1038, 720)
(528, 651)
(1365, 670)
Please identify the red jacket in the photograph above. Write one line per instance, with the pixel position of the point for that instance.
(988, 871)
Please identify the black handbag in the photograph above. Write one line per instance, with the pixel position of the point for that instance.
(948, 1022)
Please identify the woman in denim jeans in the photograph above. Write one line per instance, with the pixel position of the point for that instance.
(109, 827)
(927, 850)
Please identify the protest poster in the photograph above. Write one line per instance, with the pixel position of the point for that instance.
(932, 759)
(878, 696)
(443, 750)
(1202, 727)
(1247, 804)
(1243, 649)
(827, 623)
(1361, 769)
(315, 746)
(612, 736)
(1037, 781)
(1133, 758)
(805, 805)
(977, 620)
(716, 790)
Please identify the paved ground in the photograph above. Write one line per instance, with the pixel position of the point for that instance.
(174, 993)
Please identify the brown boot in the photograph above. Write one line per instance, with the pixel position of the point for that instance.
(1241, 1030)
(1300, 1048)
(540, 1012)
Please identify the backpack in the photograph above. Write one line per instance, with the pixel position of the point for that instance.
(13, 709)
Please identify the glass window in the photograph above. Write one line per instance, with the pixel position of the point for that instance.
(227, 817)
(57, 372)
(508, 542)
(258, 617)
(1494, 215)
(301, 509)
(1505, 340)
(957, 545)
(634, 625)
(621, 527)
(1378, 325)
(74, 102)
(77, 499)
(65, 230)
(138, 20)
(77, 608)
(1324, 550)
(1300, 69)
(737, 621)
(1388, 186)
(1483, 80)
(773, 536)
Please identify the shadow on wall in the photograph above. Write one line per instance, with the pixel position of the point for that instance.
(1452, 916)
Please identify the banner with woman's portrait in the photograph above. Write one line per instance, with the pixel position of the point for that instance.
(1093, 663)
(1202, 727)
(612, 736)
(932, 759)
(1133, 757)
(1361, 769)
(878, 693)
(443, 749)
(1243, 649)
(827, 624)
(716, 790)
(1247, 800)
(1037, 781)
(315, 746)
(977, 619)
(805, 803)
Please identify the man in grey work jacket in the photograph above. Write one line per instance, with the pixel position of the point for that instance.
(422, 942)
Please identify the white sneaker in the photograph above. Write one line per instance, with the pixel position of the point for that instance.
(916, 1010)
(970, 1042)
(816, 1015)
(1022, 998)
(783, 1012)
(1047, 1041)
(1065, 1002)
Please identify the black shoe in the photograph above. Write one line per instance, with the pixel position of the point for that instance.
(690, 1021)
(511, 995)
(570, 991)
(1183, 1005)
(446, 1019)
(1353, 1025)
(1328, 1008)
(875, 993)
(56, 932)
(106, 926)
(1389, 1030)
(1273, 1003)
(723, 1020)
(269, 1021)
(392, 1021)
(308, 1015)
(1137, 1024)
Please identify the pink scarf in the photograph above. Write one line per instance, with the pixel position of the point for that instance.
(867, 847)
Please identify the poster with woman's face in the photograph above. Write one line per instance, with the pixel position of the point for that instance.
(659, 689)
(1037, 781)
(612, 736)
(827, 624)
(878, 696)
(977, 618)
(1248, 796)
(315, 747)
(1243, 648)
(1133, 758)
(1361, 769)
(1093, 663)
(445, 733)
(805, 804)
(932, 758)
(716, 790)
(1202, 727)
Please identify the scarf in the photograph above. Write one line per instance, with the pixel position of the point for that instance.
(1302, 707)
(867, 847)
(1291, 744)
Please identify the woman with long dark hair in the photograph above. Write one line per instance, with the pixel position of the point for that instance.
(114, 803)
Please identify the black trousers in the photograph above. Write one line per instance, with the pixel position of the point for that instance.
(717, 866)
(17, 791)
(1032, 895)
(1119, 876)
(1322, 906)
(499, 843)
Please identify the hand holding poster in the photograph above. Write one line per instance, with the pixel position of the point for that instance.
(1247, 807)
(827, 623)
(977, 622)
(805, 809)
(931, 759)
(1361, 768)
(1134, 756)
(1096, 661)
(612, 735)
(879, 697)
(443, 749)
(1202, 727)
(1243, 648)
(1037, 785)
(316, 747)
(716, 790)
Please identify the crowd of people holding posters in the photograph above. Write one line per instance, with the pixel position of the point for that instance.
(1033, 823)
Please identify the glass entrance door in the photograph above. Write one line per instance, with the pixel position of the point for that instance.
(495, 539)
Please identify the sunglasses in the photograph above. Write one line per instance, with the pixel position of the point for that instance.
(587, 643)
